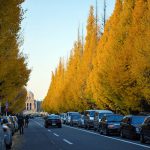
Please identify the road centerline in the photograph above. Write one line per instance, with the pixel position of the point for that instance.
(68, 142)
(56, 134)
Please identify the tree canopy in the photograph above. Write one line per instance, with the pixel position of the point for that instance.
(111, 71)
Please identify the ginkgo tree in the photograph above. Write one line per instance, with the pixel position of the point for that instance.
(14, 73)
(113, 70)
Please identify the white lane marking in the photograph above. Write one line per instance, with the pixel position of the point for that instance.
(68, 142)
(129, 142)
(56, 134)
(49, 131)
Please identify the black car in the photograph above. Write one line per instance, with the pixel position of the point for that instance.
(110, 124)
(145, 131)
(75, 119)
(130, 126)
(53, 120)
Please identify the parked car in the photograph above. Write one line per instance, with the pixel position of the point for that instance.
(145, 131)
(68, 116)
(98, 116)
(81, 121)
(110, 124)
(130, 126)
(63, 118)
(53, 120)
(75, 119)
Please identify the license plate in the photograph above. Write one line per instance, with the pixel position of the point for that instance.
(53, 124)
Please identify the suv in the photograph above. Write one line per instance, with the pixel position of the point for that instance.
(98, 116)
(145, 130)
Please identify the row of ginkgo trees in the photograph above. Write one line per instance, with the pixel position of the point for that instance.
(110, 70)
(14, 73)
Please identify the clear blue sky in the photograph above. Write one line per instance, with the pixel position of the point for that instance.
(49, 30)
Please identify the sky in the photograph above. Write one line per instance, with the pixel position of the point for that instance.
(49, 30)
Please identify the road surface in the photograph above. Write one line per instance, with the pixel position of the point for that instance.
(36, 137)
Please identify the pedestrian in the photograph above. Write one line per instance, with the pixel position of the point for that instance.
(21, 124)
(7, 137)
(26, 121)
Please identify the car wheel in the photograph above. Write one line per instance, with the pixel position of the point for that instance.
(142, 140)
(122, 134)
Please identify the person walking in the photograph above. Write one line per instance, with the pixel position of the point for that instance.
(21, 124)
(26, 121)
(7, 137)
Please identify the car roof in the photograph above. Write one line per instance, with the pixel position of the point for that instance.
(135, 116)
(104, 111)
(107, 115)
(72, 112)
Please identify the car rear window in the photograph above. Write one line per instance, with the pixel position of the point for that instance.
(92, 113)
(73, 113)
(75, 116)
(53, 117)
(138, 119)
(114, 118)
(102, 114)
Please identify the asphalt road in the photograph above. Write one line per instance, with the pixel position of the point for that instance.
(36, 137)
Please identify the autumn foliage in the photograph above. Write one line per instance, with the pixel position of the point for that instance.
(111, 71)
(14, 73)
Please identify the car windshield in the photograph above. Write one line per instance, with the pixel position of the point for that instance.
(138, 119)
(76, 116)
(73, 113)
(92, 113)
(102, 114)
(62, 115)
(53, 117)
(114, 118)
